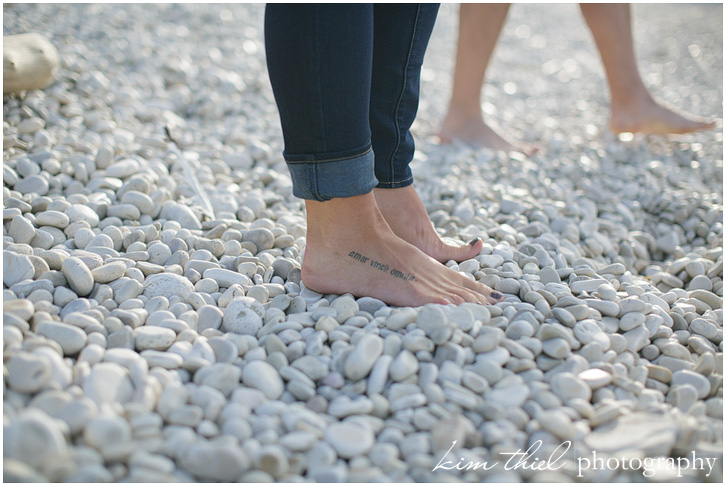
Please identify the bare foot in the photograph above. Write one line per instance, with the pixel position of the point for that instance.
(406, 215)
(351, 249)
(654, 118)
(472, 130)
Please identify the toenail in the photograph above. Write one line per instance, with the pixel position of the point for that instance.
(497, 295)
(473, 242)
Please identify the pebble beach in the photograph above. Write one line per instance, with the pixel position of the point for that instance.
(153, 332)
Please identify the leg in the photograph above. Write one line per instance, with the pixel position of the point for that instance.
(479, 29)
(633, 109)
(400, 39)
(319, 61)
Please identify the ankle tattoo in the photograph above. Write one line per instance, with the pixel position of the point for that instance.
(383, 267)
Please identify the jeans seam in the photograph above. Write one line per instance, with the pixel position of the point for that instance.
(320, 77)
(390, 183)
(403, 91)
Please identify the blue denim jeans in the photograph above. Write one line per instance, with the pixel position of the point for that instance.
(346, 83)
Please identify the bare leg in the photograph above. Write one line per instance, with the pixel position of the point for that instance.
(633, 109)
(351, 248)
(406, 215)
(479, 28)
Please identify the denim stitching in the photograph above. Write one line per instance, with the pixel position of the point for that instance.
(394, 182)
(403, 91)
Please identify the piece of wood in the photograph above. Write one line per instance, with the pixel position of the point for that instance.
(29, 62)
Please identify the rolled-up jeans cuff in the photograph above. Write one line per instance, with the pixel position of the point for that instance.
(333, 175)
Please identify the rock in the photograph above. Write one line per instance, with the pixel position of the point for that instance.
(123, 168)
(264, 377)
(34, 439)
(109, 435)
(432, 320)
(568, 386)
(349, 439)
(448, 433)
(363, 357)
(108, 383)
(314, 368)
(79, 212)
(403, 366)
(78, 275)
(227, 278)
(698, 381)
(109, 272)
(16, 268)
(154, 337)
(28, 373)
(243, 315)
(21, 230)
(595, 378)
(214, 462)
(70, 338)
(512, 396)
(34, 184)
(167, 285)
(655, 435)
(261, 237)
(185, 216)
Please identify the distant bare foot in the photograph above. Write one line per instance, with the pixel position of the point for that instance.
(406, 215)
(654, 118)
(351, 249)
(472, 130)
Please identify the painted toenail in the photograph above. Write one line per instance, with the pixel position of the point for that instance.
(473, 242)
(497, 295)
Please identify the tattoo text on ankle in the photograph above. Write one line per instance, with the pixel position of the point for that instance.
(381, 266)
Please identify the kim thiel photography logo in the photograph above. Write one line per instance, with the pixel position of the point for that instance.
(530, 460)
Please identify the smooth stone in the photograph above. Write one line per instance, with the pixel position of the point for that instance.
(79, 212)
(167, 285)
(512, 396)
(154, 337)
(162, 359)
(403, 366)
(363, 357)
(110, 435)
(226, 278)
(264, 377)
(243, 315)
(33, 184)
(109, 272)
(595, 378)
(34, 439)
(214, 462)
(108, 383)
(588, 331)
(349, 439)
(698, 381)
(123, 168)
(263, 238)
(16, 268)
(70, 338)
(638, 431)
(78, 275)
(21, 230)
(567, 386)
(28, 373)
(588, 285)
(313, 368)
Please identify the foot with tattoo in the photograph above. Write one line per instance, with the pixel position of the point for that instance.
(351, 249)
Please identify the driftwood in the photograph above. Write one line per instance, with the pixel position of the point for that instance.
(29, 62)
